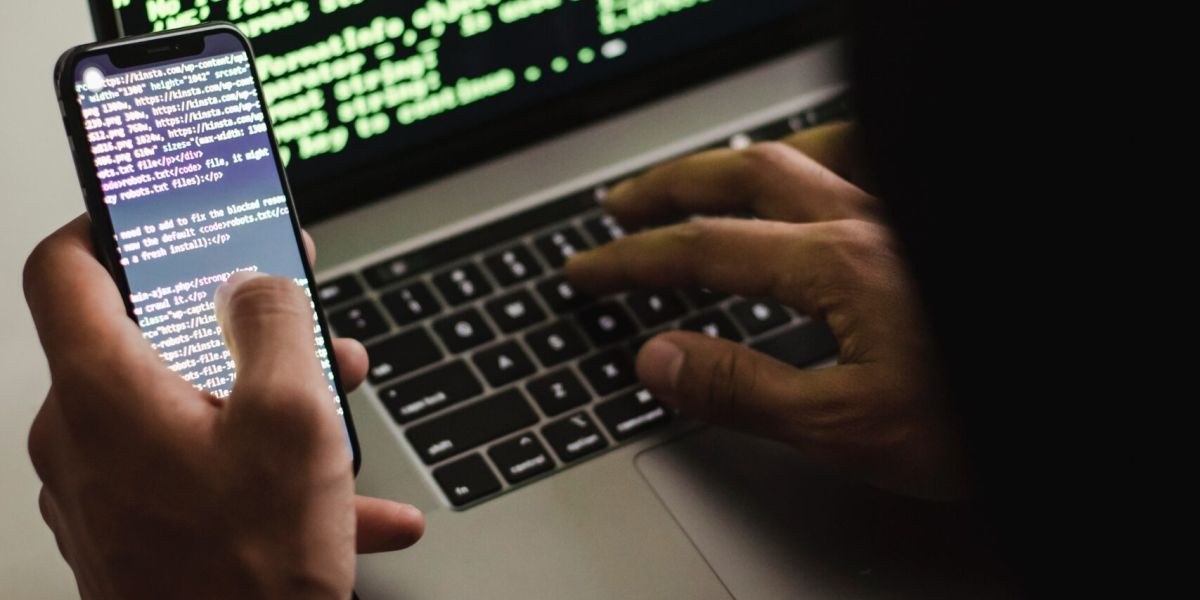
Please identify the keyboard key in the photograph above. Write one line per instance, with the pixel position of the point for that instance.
(801, 345)
(521, 458)
(464, 331)
(463, 284)
(703, 298)
(759, 316)
(387, 272)
(361, 321)
(459, 431)
(431, 392)
(632, 413)
(606, 323)
(342, 289)
(556, 247)
(516, 311)
(401, 354)
(604, 229)
(466, 480)
(609, 371)
(557, 343)
(772, 131)
(655, 307)
(561, 296)
(504, 364)
(836, 109)
(558, 392)
(411, 303)
(714, 324)
(513, 266)
(440, 254)
(635, 346)
(574, 437)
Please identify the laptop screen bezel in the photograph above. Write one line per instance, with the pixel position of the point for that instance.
(388, 175)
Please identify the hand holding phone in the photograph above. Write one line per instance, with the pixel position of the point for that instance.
(156, 488)
(185, 187)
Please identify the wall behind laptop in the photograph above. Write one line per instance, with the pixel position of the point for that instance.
(39, 192)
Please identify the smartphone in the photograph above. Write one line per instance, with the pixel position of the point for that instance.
(185, 187)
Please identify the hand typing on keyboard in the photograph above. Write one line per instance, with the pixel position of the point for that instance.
(154, 489)
(819, 246)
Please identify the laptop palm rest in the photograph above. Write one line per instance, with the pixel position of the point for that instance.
(771, 526)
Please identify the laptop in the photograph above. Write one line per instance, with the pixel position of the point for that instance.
(448, 157)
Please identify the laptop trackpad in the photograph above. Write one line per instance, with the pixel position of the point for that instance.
(771, 526)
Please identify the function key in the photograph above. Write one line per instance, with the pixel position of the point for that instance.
(714, 324)
(574, 437)
(431, 392)
(609, 371)
(556, 247)
(401, 354)
(520, 458)
(604, 229)
(558, 392)
(463, 429)
(339, 290)
(739, 141)
(655, 307)
(606, 323)
(361, 321)
(515, 311)
(513, 266)
(387, 272)
(759, 316)
(411, 303)
(772, 131)
(561, 296)
(703, 298)
(632, 413)
(504, 364)
(462, 284)
(466, 480)
(463, 331)
(835, 109)
(557, 343)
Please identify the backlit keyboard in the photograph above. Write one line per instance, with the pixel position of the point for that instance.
(499, 371)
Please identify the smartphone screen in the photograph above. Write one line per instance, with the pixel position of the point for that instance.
(189, 178)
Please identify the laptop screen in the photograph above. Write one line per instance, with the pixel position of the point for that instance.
(355, 83)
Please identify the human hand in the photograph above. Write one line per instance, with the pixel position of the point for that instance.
(154, 489)
(821, 248)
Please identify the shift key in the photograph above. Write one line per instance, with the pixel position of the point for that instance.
(477, 424)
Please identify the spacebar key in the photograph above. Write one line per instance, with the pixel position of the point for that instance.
(479, 423)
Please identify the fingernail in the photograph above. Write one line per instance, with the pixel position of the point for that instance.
(225, 290)
(413, 512)
(659, 365)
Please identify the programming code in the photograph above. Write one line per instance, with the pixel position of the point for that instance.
(348, 80)
(187, 173)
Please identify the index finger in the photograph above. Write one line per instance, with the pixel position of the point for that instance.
(78, 310)
(772, 180)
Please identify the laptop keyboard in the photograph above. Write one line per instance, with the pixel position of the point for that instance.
(499, 371)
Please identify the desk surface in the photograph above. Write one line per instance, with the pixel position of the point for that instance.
(40, 192)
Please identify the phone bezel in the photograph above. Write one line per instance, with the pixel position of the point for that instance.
(136, 49)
